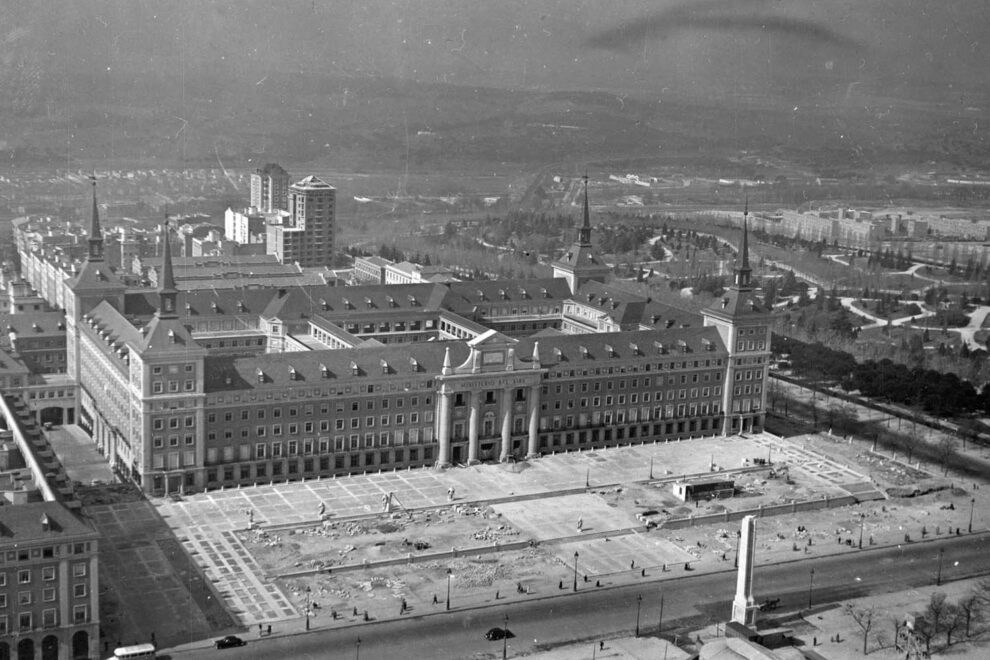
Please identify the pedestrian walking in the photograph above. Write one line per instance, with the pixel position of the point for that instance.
(580, 524)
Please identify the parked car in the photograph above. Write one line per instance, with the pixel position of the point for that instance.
(229, 642)
(498, 633)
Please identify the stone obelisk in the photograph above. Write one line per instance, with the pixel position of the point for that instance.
(743, 606)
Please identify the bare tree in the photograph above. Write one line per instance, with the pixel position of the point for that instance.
(899, 625)
(863, 616)
(946, 450)
(934, 618)
(952, 621)
(969, 609)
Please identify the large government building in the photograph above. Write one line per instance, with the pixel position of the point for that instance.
(203, 389)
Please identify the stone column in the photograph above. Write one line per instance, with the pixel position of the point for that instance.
(443, 427)
(743, 606)
(473, 427)
(534, 421)
(506, 424)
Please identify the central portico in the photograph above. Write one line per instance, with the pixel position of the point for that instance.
(493, 396)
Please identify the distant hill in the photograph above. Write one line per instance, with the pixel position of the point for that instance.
(451, 82)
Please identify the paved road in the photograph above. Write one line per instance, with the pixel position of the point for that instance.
(605, 613)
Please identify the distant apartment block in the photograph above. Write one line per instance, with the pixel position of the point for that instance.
(245, 227)
(270, 188)
(306, 235)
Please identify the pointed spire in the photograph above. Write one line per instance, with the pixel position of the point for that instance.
(447, 368)
(167, 292)
(744, 272)
(584, 234)
(95, 232)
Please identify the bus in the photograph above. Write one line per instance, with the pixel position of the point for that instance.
(141, 651)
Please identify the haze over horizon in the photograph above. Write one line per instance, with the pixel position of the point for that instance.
(211, 59)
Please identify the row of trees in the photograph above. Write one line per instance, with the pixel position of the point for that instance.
(942, 394)
(941, 617)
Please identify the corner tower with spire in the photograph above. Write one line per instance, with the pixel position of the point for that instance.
(743, 323)
(581, 262)
(94, 282)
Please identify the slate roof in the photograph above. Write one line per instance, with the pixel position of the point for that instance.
(23, 523)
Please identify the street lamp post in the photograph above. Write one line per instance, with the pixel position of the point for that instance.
(448, 590)
(938, 574)
(651, 468)
(639, 604)
(357, 649)
(505, 635)
(811, 584)
(862, 519)
(660, 624)
(307, 607)
(972, 504)
(575, 570)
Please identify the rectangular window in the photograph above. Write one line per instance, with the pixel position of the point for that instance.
(48, 573)
(24, 598)
(79, 570)
(79, 590)
(80, 613)
(24, 621)
(24, 576)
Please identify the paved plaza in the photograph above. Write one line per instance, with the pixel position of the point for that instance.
(542, 499)
(151, 546)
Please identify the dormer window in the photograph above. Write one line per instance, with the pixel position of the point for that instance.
(384, 366)
(391, 301)
(413, 365)
(355, 370)
(544, 292)
(634, 348)
(347, 304)
(682, 345)
(481, 294)
(559, 354)
(661, 349)
(522, 292)
(669, 323)
(610, 350)
(240, 306)
(584, 351)
(501, 294)
(324, 371)
(260, 375)
(323, 304)
(367, 301)
(413, 301)
(171, 336)
(292, 374)
(36, 327)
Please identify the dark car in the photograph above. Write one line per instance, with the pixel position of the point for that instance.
(498, 633)
(229, 642)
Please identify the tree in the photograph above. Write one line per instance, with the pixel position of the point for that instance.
(945, 449)
(863, 616)
(935, 616)
(969, 610)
